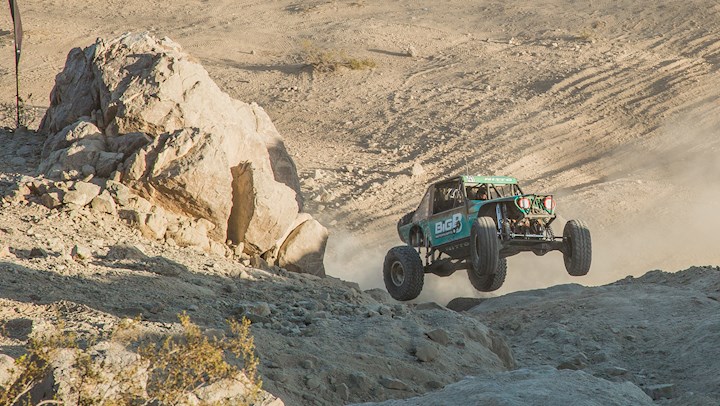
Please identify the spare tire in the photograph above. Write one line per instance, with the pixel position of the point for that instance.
(403, 273)
(577, 248)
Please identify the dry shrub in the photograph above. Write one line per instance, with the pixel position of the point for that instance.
(33, 366)
(168, 372)
(188, 362)
(585, 35)
(331, 60)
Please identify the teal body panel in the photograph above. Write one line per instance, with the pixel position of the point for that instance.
(448, 226)
(451, 226)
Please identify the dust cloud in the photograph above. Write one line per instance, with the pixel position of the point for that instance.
(358, 257)
(659, 209)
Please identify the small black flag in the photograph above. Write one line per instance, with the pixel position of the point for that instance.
(17, 25)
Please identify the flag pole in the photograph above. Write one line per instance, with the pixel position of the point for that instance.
(17, 40)
(17, 91)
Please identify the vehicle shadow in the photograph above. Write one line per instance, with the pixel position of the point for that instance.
(288, 69)
(390, 53)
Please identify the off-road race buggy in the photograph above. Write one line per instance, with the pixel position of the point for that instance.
(475, 223)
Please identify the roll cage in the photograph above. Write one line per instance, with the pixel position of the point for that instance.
(450, 194)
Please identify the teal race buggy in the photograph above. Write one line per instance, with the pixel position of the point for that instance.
(475, 223)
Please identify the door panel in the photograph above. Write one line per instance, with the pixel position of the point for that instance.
(449, 219)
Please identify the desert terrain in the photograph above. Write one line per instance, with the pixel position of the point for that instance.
(612, 106)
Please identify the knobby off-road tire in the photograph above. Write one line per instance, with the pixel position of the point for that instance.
(484, 247)
(577, 252)
(403, 273)
(491, 282)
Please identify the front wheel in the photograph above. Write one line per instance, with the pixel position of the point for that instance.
(577, 250)
(484, 246)
(403, 273)
(490, 282)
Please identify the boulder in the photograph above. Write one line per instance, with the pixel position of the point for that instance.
(304, 248)
(461, 304)
(191, 234)
(156, 224)
(81, 194)
(186, 172)
(662, 391)
(142, 108)
(125, 252)
(140, 204)
(439, 335)
(426, 352)
(73, 95)
(153, 224)
(120, 193)
(81, 253)
(80, 144)
(104, 203)
(7, 373)
(262, 212)
(51, 200)
(394, 384)
(273, 256)
(75, 198)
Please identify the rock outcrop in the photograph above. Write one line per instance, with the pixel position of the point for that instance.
(531, 386)
(141, 111)
(302, 248)
(654, 331)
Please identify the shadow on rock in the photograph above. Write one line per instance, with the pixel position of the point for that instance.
(131, 257)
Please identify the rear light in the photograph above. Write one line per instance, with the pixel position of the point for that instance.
(549, 203)
(524, 203)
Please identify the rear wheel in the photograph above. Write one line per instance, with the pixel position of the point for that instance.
(484, 247)
(403, 273)
(577, 251)
(490, 282)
